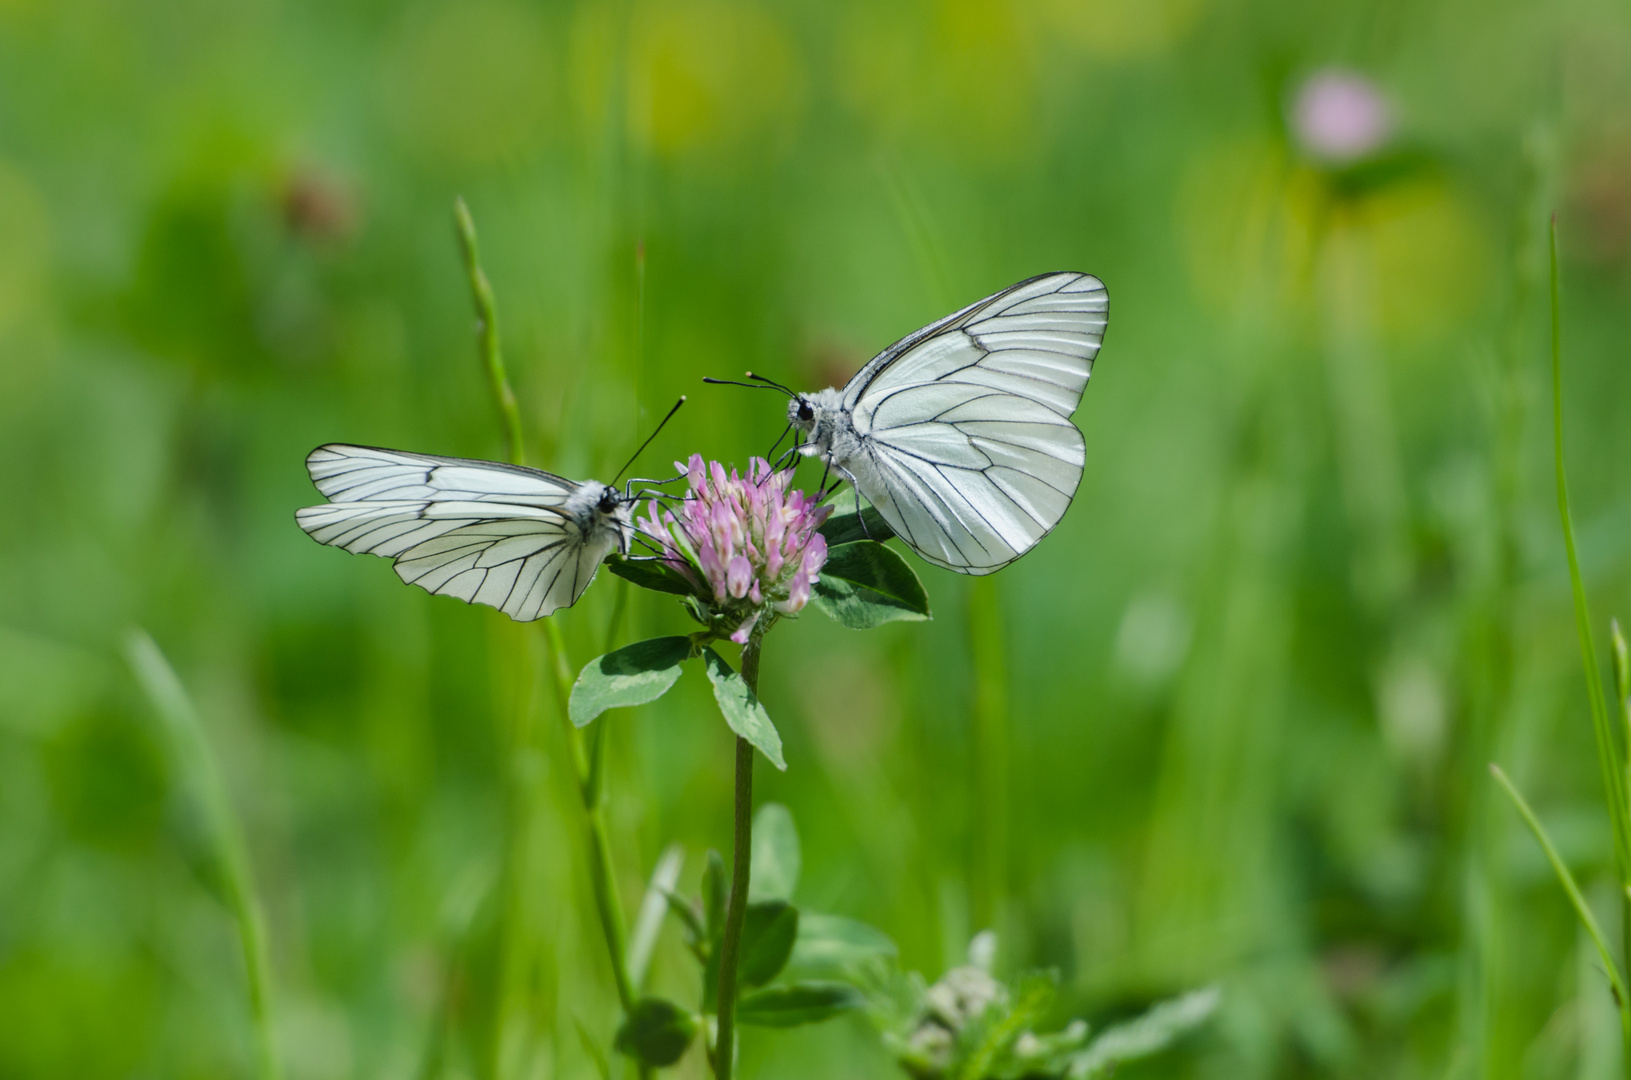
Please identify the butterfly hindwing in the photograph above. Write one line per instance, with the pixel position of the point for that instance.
(979, 483)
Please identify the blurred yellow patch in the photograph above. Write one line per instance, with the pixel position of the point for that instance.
(1117, 28)
(961, 71)
(467, 82)
(1245, 220)
(1251, 221)
(25, 236)
(1430, 257)
(707, 74)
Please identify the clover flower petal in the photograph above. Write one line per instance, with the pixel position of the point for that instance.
(745, 543)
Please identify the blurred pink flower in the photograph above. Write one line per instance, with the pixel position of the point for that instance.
(1341, 116)
(745, 543)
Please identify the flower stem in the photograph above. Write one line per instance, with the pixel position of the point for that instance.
(587, 764)
(587, 767)
(741, 865)
(481, 291)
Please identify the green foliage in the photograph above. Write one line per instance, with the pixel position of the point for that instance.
(768, 933)
(798, 1004)
(742, 710)
(1306, 592)
(971, 1026)
(656, 1032)
(776, 856)
(865, 584)
(835, 945)
(847, 528)
(715, 885)
(650, 574)
(1144, 1036)
(633, 675)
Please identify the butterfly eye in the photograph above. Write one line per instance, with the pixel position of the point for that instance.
(805, 412)
(608, 503)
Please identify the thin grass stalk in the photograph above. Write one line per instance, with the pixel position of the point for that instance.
(1608, 754)
(587, 762)
(741, 871)
(184, 732)
(1576, 898)
(991, 754)
(481, 291)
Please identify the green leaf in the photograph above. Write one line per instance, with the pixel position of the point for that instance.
(713, 896)
(656, 1031)
(769, 929)
(800, 1003)
(742, 710)
(633, 675)
(831, 944)
(847, 528)
(695, 933)
(774, 873)
(865, 584)
(593, 1050)
(994, 1034)
(1566, 879)
(650, 574)
(1148, 1034)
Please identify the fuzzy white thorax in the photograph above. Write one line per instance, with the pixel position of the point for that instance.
(603, 517)
(824, 425)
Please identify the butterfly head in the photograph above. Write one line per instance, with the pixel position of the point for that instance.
(815, 418)
(603, 515)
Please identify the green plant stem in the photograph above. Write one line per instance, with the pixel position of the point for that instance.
(587, 764)
(586, 760)
(741, 866)
(1607, 753)
(991, 759)
(184, 733)
(1566, 879)
(481, 291)
(1609, 758)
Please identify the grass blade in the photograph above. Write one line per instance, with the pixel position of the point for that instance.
(184, 735)
(1607, 753)
(649, 921)
(1566, 879)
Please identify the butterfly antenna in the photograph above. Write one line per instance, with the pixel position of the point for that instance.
(759, 383)
(772, 383)
(647, 443)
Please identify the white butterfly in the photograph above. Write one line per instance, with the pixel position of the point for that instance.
(521, 540)
(959, 434)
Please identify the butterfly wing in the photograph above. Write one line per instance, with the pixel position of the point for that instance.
(486, 533)
(368, 473)
(964, 443)
(1036, 340)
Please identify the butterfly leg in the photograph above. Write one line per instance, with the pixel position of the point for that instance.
(771, 454)
(628, 488)
(847, 475)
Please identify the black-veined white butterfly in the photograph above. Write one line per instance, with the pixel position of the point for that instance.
(522, 540)
(960, 433)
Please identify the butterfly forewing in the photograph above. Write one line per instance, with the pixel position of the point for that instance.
(1036, 339)
(483, 532)
(966, 446)
(369, 473)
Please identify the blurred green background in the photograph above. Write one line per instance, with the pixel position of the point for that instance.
(1229, 723)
